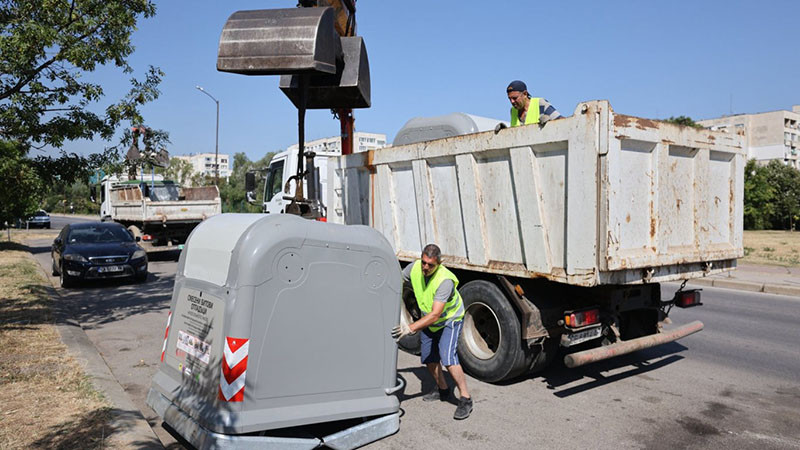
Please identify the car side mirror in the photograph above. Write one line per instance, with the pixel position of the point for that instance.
(138, 238)
(57, 241)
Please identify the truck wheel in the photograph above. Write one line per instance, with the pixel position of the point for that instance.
(135, 231)
(490, 345)
(409, 312)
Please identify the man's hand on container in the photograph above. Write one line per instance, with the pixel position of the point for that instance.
(401, 331)
(499, 127)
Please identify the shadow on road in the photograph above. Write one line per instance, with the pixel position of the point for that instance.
(96, 302)
(638, 363)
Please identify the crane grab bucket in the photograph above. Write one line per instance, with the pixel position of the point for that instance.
(280, 41)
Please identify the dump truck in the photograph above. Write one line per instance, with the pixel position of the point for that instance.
(159, 213)
(559, 234)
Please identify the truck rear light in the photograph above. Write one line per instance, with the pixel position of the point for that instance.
(582, 318)
(686, 299)
(322, 219)
(147, 237)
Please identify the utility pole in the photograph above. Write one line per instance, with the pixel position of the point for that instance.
(216, 146)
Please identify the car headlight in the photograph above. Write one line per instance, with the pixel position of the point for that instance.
(138, 254)
(74, 257)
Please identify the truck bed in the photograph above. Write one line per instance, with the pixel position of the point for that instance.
(592, 199)
(197, 205)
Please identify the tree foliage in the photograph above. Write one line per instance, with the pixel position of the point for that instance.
(232, 192)
(46, 49)
(685, 121)
(21, 186)
(771, 196)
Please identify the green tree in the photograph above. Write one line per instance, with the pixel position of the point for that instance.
(684, 120)
(759, 197)
(232, 192)
(22, 187)
(46, 46)
(785, 180)
(178, 170)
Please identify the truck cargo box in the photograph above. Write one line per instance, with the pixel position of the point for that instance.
(592, 199)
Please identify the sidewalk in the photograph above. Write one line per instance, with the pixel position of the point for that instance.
(757, 278)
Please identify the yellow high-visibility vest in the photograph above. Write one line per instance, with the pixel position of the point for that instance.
(531, 117)
(453, 309)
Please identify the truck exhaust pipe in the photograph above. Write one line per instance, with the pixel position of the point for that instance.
(624, 347)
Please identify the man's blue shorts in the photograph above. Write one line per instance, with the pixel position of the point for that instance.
(441, 345)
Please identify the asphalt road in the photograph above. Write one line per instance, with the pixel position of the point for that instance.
(59, 222)
(736, 384)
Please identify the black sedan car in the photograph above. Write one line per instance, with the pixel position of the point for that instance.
(97, 250)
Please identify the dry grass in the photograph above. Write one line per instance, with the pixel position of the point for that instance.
(46, 400)
(23, 235)
(777, 248)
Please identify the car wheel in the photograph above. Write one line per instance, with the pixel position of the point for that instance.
(66, 281)
(47, 226)
(140, 278)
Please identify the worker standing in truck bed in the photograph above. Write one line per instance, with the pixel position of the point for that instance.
(434, 287)
(525, 109)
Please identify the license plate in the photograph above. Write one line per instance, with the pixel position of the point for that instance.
(104, 269)
(580, 336)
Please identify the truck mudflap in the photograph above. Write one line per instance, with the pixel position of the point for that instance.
(202, 438)
(620, 348)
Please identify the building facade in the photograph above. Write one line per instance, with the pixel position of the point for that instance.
(770, 135)
(362, 142)
(204, 163)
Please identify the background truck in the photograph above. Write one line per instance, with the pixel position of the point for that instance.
(158, 211)
(559, 235)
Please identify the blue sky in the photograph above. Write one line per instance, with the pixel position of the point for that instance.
(649, 59)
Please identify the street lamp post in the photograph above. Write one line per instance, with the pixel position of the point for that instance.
(216, 147)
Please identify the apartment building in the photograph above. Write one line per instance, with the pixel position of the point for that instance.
(362, 142)
(204, 163)
(769, 135)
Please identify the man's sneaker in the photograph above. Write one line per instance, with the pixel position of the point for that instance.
(436, 394)
(464, 408)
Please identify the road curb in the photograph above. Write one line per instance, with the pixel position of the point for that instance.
(768, 288)
(131, 429)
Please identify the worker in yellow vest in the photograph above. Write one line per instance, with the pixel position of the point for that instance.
(526, 110)
(438, 299)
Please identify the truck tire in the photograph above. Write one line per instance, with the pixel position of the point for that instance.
(490, 347)
(409, 312)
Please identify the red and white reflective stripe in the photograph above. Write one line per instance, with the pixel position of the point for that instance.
(234, 365)
(166, 333)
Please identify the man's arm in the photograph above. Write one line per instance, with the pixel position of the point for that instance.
(428, 319)
(547, 112)
(440, 298)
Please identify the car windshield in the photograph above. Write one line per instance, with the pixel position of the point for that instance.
(40, 214)
(100, 234)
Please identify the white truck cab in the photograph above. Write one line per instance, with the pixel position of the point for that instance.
(282, 167)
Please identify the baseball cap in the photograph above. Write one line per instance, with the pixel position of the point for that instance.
(516, 85)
